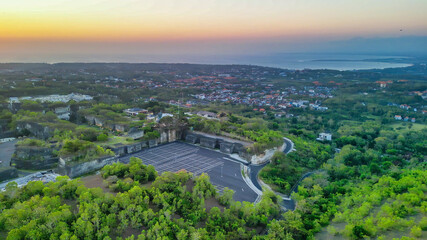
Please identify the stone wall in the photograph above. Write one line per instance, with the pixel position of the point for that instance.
(135, 133)
(192, 138)
(166, 136)
(163, 137)
(94, 120)
(4, 129)
(35, 129)
(226, 147)
(3, 124)
(213, 142)
(90, 120)
(152, 143)
(8, 173)
(34, 158)
(169, 134)
(208, 142)
(98, 122)
(119, 149)
(7, 134)
(135, 147)
(76, 169)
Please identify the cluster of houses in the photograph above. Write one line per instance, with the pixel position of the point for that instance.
(422, 94)
(53, 98)
(63, 112)
(383, 84)
(149, 115)
(406, 119)
(136, 111)
(204, 114)
(265, 98)
(403, 106)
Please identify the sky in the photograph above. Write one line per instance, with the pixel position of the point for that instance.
(64, 28)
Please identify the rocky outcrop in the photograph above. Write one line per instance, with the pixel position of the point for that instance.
(34, 158)
(267, 155)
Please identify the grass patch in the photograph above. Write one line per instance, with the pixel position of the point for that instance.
(117, 140)
(403, 127)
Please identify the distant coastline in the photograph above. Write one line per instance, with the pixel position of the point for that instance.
(291, 61)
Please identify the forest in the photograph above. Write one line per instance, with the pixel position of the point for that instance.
(171, 206)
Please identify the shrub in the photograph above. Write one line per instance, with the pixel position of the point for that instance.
(102, 137)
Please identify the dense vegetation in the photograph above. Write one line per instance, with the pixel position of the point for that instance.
(369, 182)
(172, 207)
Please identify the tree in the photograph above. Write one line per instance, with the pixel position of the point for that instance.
(227, 196)
(102, 137)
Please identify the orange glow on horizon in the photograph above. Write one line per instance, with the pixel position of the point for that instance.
(104, 21)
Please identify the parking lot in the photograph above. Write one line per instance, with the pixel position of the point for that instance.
(223, 171)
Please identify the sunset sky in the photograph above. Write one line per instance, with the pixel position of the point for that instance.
(199, 26)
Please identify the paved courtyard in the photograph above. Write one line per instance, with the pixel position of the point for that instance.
(223, 170)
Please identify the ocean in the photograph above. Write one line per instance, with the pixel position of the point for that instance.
(299, 61)
(294, 61)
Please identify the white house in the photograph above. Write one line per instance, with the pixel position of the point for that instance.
(324, 137)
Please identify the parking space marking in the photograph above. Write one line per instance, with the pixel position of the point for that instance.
(174, 157)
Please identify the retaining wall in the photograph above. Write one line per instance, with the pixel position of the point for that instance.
(8, 173)
(34, 158)
(213, 142)
(76, 169)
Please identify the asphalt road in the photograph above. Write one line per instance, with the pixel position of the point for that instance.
(223, 170)
(288, 146)
(255, 169)
(6, 151)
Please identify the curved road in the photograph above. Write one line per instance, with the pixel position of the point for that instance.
(255, 169)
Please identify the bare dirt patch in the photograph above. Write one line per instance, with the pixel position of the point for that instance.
(129, 231)
(189, 185)
(147, 185)
(212, 202)
(73, 205)
(93, 181)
